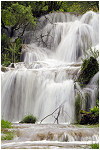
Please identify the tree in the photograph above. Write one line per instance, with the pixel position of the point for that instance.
(80, 6)
(18, 17)
(14, 16)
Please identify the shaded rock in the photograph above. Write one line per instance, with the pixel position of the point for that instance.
(88, 69)
(89, 118)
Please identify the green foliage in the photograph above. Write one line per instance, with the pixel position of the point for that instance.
(45, 8)
(92, 52)
(88, 69)
(39, 8)
(7, 136)
(80, 6)
(20, 14)
(6, 60)
(91, 117)
(5, 42)
(77, 107)
(5, 124)
(95, 146)
(14, 50)
(95, 109)
(29, 119)
(97, 103)
(10, 51)
(84, 112)
(17, 15)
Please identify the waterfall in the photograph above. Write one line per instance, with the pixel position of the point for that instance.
(44, 79)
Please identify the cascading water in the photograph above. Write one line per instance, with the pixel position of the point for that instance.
(44, 81)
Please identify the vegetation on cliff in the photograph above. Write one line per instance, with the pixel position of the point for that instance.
(21, 15)
(91, 117)
(88, 69)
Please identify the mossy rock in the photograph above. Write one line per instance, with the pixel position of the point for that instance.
(89, 118)
(88, 69)
(29, 119)
(77, 107)
(4, 69)
(12, 65)
(84, 112)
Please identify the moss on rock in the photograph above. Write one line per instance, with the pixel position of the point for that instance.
(77, 107)
(88, 69)
(89, 118)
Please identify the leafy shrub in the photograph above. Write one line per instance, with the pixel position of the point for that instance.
(92, 52)
(5, 124)
(4, 41)
(29, 119)
(14, 50)
(88, 69)
(10, 51)
(95, 146)
(5, 55)
(95, 110)
(91, 117)
(97, 103)
(7, 136)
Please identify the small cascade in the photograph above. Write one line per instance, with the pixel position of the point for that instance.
(51, 133)
(93, 89)
(91, 18)
(32, 53)
(78, 39)
(39, 92)
(52, 28)
(44, 79)
(52, 136)
(89, 94)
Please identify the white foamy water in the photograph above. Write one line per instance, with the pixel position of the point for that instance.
(52, 136)
(44, 81)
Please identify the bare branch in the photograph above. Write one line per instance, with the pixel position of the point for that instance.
(56, 118)
(52, 114)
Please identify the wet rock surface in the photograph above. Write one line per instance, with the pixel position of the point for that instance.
(50, 136)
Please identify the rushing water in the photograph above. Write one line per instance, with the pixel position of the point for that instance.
(44, 80)
(51, 136)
